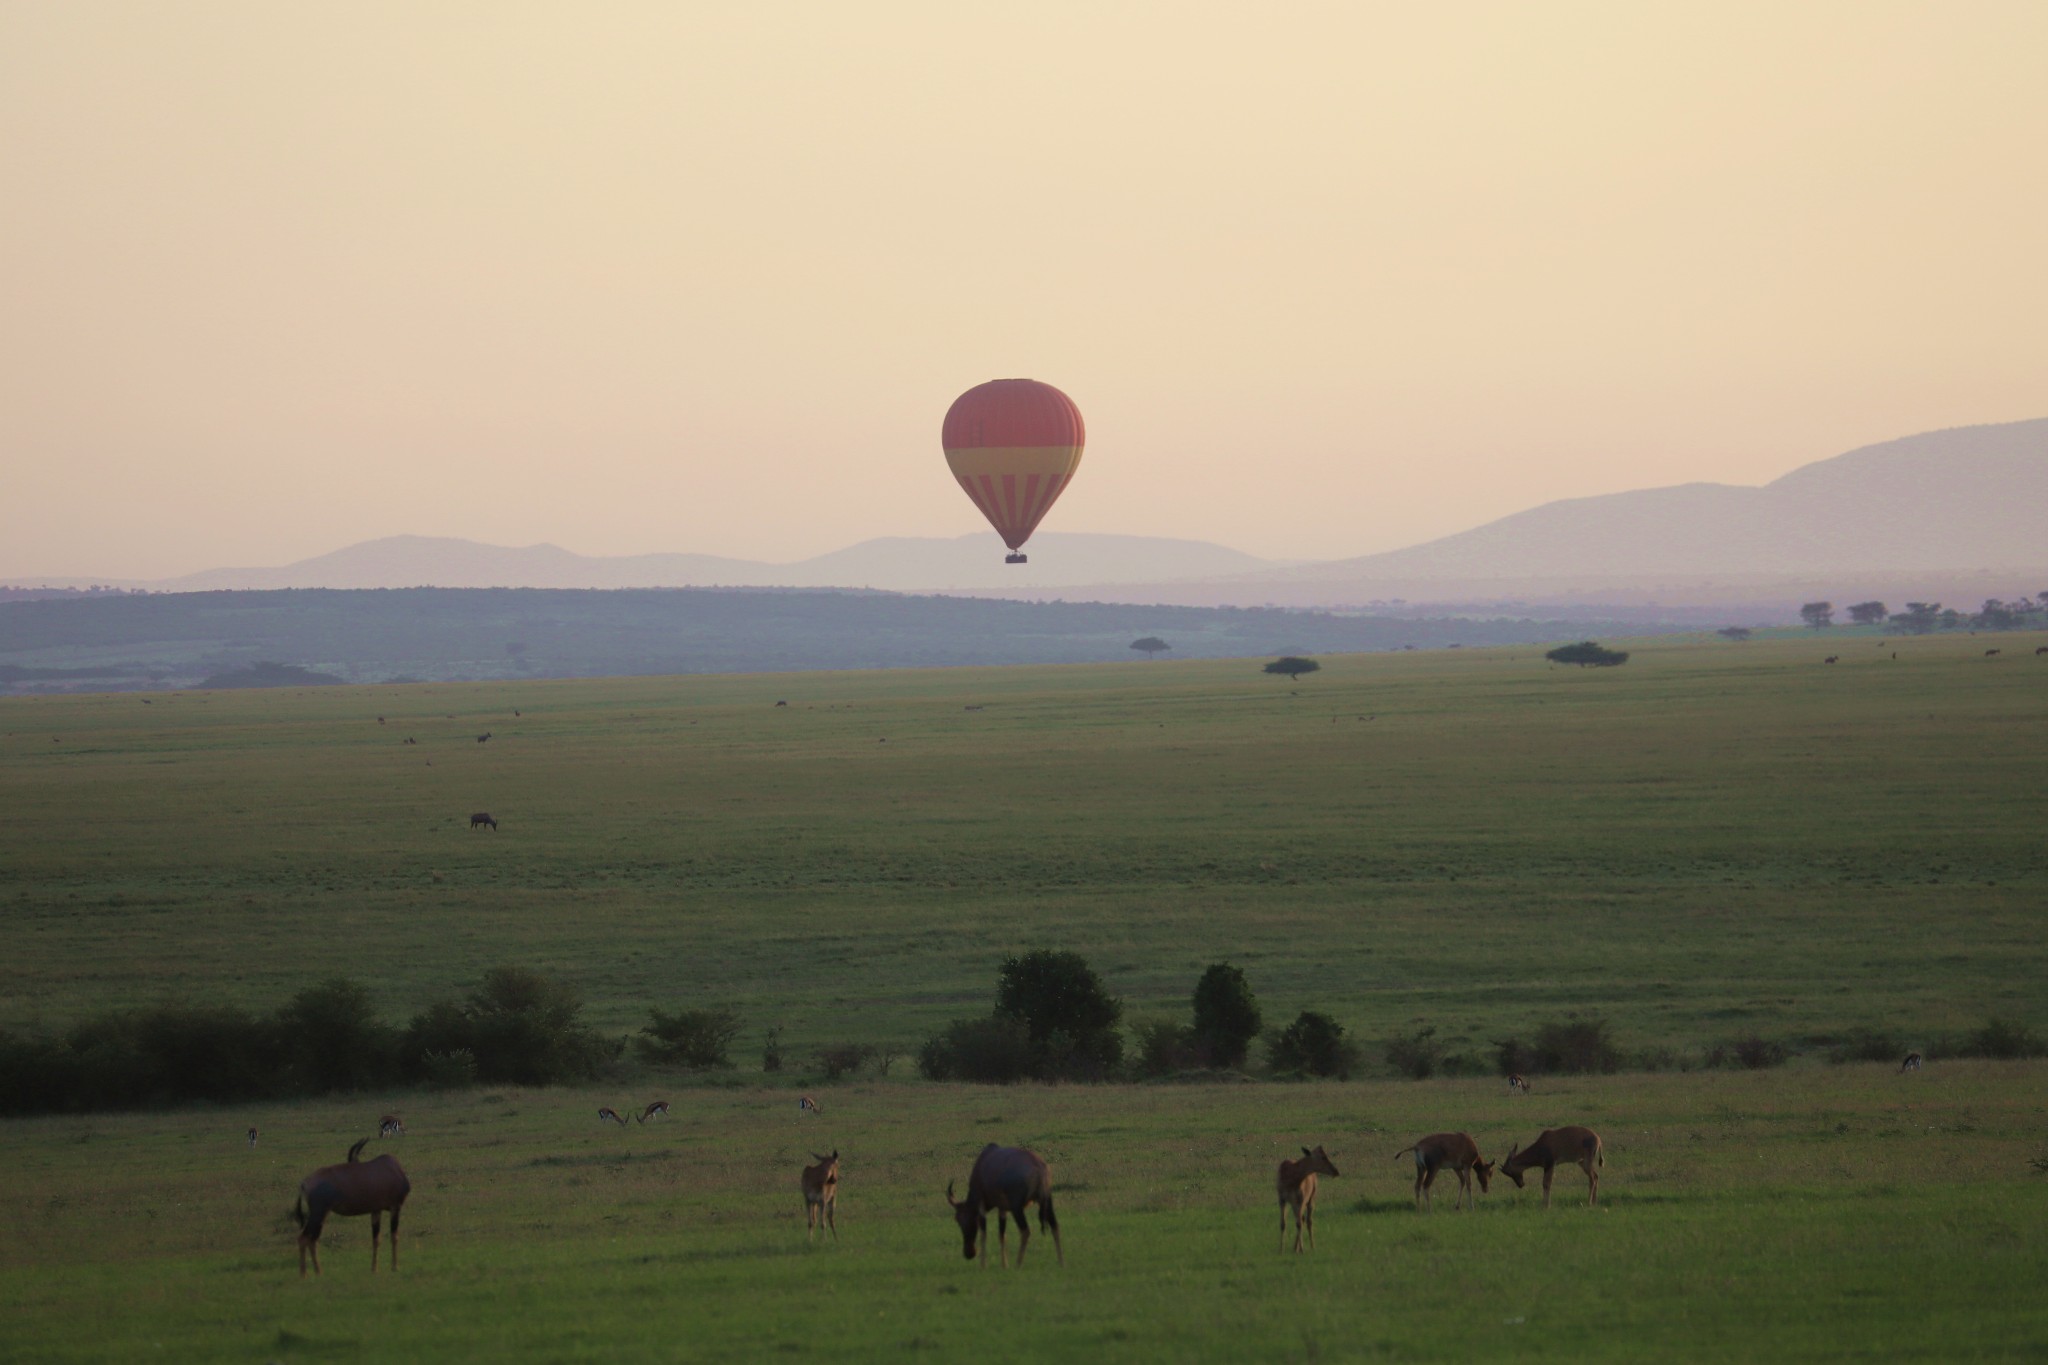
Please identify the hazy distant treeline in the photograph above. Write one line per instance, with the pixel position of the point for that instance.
(117, 641)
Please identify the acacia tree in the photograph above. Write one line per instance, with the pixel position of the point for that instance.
(1818, 614)
(1151, 645)
(1069, 1016)
(1868, 613)
(1588, 654)
(1292, 666)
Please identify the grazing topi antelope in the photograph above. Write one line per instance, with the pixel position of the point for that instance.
(351, 1189)
(656, 1110)
(1556, 1145)
(607, 1114)
(1297, 1188)
(1008, 1180)
(1912, 1062)
(1517, 1083)
(1456, 1151)
(821, 1193)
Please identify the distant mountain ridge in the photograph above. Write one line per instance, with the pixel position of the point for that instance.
(891, 563)
(1961, 499)
(1957, 510)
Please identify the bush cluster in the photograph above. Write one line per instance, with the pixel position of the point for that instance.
(516, 1026)
(1574, 1045)
(1313, 1045)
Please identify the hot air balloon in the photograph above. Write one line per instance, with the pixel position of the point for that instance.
(1014, 445)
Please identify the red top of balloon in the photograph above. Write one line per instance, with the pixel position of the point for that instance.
(1012, 413)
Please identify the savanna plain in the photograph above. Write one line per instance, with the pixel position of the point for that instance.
(1714, 841)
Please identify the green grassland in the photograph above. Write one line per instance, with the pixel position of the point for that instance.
(1710, 841)
(1743, 1216)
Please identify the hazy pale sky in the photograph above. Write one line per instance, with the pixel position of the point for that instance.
(1324, 279)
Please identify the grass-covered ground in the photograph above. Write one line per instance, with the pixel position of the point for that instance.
(1845, 1213)
(1710, 841)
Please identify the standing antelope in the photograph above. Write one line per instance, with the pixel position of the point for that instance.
(656, 1110)
(1581, 1145)
(1008, 1180)
(821, 1193)
(1912, 1063)
(1297, 1188)
(482, 817)
(607, 1114)
(390, 1126)
(1517, 1083)
(252, 1137)
(351, 1189)
(1457, 1151)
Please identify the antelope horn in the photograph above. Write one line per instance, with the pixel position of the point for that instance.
(949, 1194)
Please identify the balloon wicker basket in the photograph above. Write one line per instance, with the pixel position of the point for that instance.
(1016, 559)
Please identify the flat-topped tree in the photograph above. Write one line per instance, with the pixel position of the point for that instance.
(1151, 645)
(1292, 666)
(1588, 654)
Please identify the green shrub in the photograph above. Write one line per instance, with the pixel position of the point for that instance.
(2004, 1039)
(1313, 1045)
(693, 1038)
(996, 1050)
(521, 1028)
(1588, 654)
(1751, 1053)
(1166, 1049)
(331, 1040)
(1569, 1046)
(844, 1059)
(1416, 1055)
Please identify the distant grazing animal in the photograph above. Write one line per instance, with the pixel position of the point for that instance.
(1518, 1083)
(484, 736)
(782, 703)
(1581, 1145)
(1989, 652)
(354, 1188)
(410, 740)
(607, 1114)
(252, 1137)
(656, 1110)
(1297, 1188)
(515, 715)
(1008, 1180)
(806, 1104)
(147, 702)
(483, 817)
(1831, 658)
(380, 720)
(2042, 650)
(1912, 1063)
(390, 1126)
(1456, 1151)
(821, 1193)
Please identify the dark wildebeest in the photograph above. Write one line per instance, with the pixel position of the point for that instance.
(1581, 1145)
(821, 1193)
(1297, 1188)
(1456, 1151)
(2042, 650)
(482, 737)
(1912, 1062)
(1831, 658)
(483, 817)
(353, 1188)
(1989, 652)
(1008, 1180)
